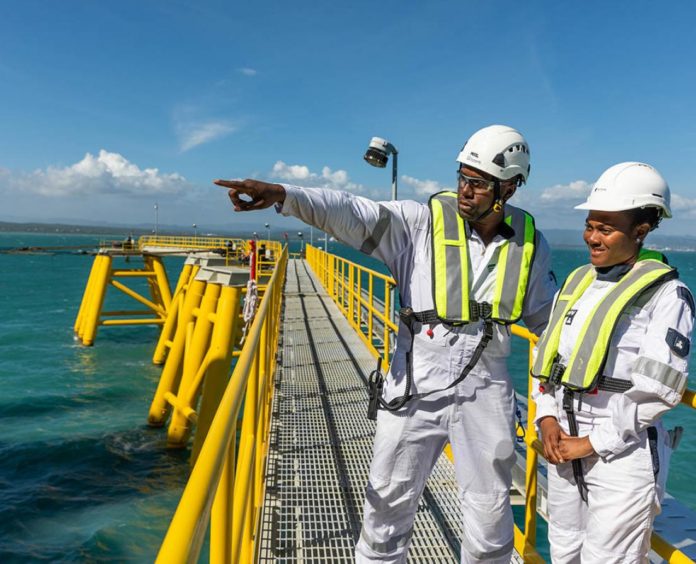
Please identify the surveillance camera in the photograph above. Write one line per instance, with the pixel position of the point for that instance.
(377, 153)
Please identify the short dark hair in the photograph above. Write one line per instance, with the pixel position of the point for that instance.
(649, 215)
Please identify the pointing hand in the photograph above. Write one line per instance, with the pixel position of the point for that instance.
(262, 194)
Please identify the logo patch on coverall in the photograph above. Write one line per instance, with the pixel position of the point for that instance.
(569, 316)
(679, 344)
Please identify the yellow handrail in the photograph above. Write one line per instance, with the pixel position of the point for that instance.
(222, 490)
(343, 280)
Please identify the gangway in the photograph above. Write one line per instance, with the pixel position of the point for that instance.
(321, 443)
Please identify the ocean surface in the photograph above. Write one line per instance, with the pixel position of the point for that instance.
(82, 477)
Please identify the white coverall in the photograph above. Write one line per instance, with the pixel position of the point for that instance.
(624, 494)
(477, 416)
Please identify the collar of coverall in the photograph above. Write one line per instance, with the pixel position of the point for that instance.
(504, 230)
(612, 273)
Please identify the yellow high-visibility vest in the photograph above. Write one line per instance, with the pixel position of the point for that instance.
(586, 362)
(451, 286)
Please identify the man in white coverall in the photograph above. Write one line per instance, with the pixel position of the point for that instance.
(602, 511)
(477, 414)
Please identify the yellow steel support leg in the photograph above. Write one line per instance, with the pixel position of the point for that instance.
(169, 329)
(96, 302)
(85, 296)
(216, 377)
(155, 292)
(162, 281)
(171, 373)
(179, 428)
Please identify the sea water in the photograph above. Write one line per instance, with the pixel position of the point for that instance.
(82, 477)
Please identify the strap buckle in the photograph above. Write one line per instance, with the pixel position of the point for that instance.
(374, 389)
(568, 395)
(480, 310)
(557, 371)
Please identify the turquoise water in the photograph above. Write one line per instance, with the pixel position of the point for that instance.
(82, 478)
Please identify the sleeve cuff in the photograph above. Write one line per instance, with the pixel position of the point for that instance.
(545, 407)
(606, 442)
(287, 206)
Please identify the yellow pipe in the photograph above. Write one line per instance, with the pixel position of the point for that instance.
(121, 322)
(689, 398)
(162, 281)
(137, 297)
(239, 501)
(221, 518)
(182, 406)
(171, 373)
(135, 273)
(166, 336)
(97, 300)
(85, 296)
(89, 297)
(216, 375)
(526, 550)
(667, 551)
(127, 312)
(153, 285)
(179, 428)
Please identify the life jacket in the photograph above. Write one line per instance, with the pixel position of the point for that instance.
(583, 369)
(450, 272)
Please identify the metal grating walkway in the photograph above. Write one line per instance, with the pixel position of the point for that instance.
(321, 443)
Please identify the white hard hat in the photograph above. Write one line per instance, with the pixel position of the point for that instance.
(628, 186)
(499, 150)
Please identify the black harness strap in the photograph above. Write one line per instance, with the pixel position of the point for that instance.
(409, 317)
(573, 428)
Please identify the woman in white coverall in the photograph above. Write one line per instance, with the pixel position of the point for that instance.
(477, 414)
(612, 360)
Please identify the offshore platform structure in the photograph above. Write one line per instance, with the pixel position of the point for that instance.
(265, 358)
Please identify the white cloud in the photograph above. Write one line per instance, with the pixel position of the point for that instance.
(192, 134)
(682, 204)
(326, 179)
(576, 190)
(246, 71)
(423, 187)
(107, 173)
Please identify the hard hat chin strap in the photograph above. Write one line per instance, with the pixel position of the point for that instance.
(497, 204)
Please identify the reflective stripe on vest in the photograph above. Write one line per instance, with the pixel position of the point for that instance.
(585, 364)
(451, 263)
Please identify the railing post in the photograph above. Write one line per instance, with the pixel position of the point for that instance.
(530, 505)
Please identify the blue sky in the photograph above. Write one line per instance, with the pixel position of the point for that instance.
(109, 107)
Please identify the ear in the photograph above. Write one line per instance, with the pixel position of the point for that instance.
(641, 231)
(507, 194)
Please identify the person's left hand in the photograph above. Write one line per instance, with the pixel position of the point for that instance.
(575, 447)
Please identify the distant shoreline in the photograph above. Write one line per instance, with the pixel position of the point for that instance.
(72, 229)
(558, 238)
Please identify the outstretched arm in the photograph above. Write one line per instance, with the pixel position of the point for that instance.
(379, 229)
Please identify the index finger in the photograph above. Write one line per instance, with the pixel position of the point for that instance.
(229, 183)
